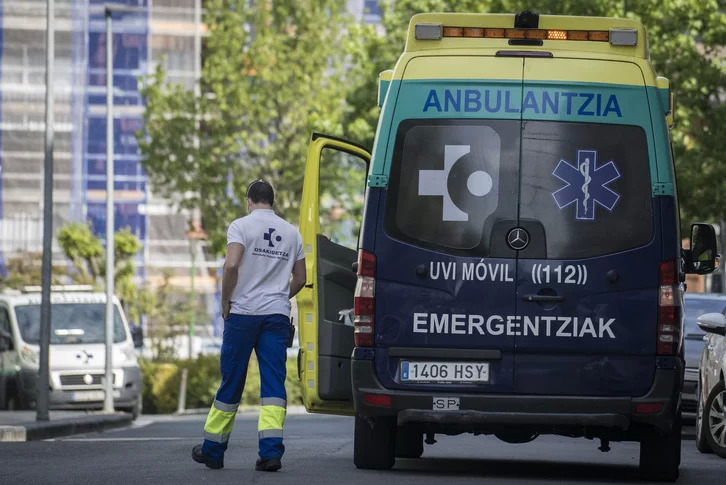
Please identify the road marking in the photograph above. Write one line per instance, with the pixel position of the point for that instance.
(124, 439)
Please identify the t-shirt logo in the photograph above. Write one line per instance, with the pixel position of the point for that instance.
(268, 237)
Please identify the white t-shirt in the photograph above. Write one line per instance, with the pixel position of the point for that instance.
(272, 246)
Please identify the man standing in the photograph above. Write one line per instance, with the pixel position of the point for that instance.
(262, 251)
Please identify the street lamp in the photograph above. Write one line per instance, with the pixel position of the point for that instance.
(109, 9)
(43, 393)
(194, 235)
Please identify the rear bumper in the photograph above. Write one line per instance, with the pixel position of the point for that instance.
(491, 413)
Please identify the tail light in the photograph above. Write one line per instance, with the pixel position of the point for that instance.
(669, 310)
(365, 293)
(649, 407)
(378, 400)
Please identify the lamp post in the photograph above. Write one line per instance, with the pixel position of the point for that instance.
(109, 9)
(42, 390)
(196, 234)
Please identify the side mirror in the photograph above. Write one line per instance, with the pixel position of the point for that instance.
(6, 341)
(137, 335)
(702, 258)
(713, 323)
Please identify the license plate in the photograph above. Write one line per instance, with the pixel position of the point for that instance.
(85, 396)
(446, 404)
(445, 372)
(81, 396)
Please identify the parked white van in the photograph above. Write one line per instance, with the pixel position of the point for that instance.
(77, 352)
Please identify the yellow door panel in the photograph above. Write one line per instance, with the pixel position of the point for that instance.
(308, 298)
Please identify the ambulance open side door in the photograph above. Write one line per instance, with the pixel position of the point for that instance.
(325, 303)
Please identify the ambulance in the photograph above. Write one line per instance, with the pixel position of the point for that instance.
(518, 269)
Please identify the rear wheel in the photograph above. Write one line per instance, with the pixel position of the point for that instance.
(701, 426)
(409, 442)
(660, 456)
(714, 417)
(374, 445)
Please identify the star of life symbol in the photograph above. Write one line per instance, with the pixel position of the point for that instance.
(268, 237)
(434, 182)
(586, 185)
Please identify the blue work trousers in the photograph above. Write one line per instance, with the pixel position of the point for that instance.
(268, 336)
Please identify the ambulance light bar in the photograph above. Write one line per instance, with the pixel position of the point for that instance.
(619, 37)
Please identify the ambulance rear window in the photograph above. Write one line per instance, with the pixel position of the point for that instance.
(458, 186)
(588, 185)
(451, 181)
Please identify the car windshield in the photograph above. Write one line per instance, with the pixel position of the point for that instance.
(694, 308)
(71, 323)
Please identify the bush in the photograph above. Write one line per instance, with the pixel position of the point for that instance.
(161, 382)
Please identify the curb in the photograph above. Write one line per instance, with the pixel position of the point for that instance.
(64, 427)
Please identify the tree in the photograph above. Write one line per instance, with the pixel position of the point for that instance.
(87, 255)
(272, 74)
(687, 41)
(84, 250)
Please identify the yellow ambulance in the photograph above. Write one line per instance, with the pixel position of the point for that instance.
(519, 268)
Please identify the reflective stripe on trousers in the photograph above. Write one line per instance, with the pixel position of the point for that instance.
(272, 417)
(220, 422)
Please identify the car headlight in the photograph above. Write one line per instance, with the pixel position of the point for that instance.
(30, 354)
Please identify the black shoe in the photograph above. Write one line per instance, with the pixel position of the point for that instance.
(269, 465)
(200, 457)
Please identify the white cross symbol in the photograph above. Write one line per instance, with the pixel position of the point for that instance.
(434, 182)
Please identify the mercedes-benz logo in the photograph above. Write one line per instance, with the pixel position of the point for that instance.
(518, 238)
(88, 379)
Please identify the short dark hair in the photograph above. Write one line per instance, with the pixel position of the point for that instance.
(260, 191)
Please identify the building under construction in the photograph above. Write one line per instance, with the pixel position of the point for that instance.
(157, 31)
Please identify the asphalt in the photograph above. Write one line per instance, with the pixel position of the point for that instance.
(23, 425)
(156, 450)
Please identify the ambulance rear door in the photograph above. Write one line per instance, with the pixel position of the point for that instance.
(445, 278)
(589, 250)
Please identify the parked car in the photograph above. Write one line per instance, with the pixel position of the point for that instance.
(711, 420)
(77, 351)
(695, 305)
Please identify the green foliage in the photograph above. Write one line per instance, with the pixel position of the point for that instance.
(84, 250)
(161, 383)
(687, 39)
(25, 269)
(88, 256)
(271, 76)
(126, 246)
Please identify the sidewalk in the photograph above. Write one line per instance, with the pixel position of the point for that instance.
(22, 426)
